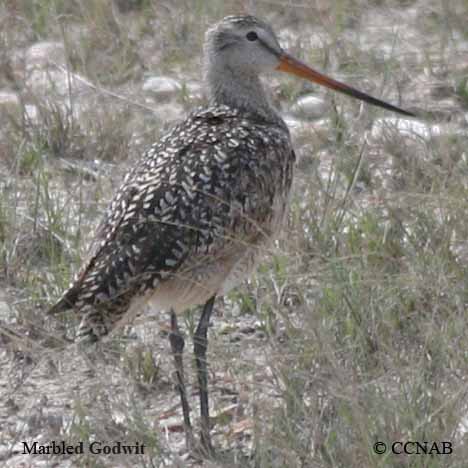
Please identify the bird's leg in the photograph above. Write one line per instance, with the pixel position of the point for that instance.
(200, 346)
(177, 346)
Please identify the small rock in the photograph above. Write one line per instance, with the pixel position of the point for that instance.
(42, 54)
(161, 87)
(31, 112)
(55, 81)
(10, 107)
(9, 102)
(47, 73)
(411, 128)
(309, 107)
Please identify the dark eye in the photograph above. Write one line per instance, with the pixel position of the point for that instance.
(251, 36)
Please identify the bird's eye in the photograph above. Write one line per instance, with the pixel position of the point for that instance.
(251, 36)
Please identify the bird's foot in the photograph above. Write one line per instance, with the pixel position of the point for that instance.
(201, 449)
(205, 445)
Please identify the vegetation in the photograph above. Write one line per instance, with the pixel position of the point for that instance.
(352, 331)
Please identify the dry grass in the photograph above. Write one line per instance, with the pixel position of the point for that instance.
(353, 330)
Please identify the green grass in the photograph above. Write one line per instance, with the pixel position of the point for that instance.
(352, 331)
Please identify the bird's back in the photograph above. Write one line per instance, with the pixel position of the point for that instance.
(189, 218)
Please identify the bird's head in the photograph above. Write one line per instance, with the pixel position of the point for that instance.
(247, 45)
(243, 43)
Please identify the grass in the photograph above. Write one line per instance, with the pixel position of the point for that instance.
(352, 331)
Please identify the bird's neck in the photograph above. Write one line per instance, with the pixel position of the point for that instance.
(238, 90)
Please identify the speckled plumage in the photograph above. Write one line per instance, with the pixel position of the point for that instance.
(189, 220)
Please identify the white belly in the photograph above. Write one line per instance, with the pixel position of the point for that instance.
(201, 278)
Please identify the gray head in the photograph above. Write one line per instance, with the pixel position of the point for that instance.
(240, 48)
(242, 44)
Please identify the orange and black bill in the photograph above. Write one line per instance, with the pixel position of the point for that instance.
(291, 65)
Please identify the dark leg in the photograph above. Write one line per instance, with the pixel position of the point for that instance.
(200, 345)
(177, 347)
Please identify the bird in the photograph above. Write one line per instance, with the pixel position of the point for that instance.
(194, 214)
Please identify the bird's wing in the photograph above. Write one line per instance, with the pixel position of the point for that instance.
(208, 184)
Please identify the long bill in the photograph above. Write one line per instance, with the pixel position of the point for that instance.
(291, 65)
